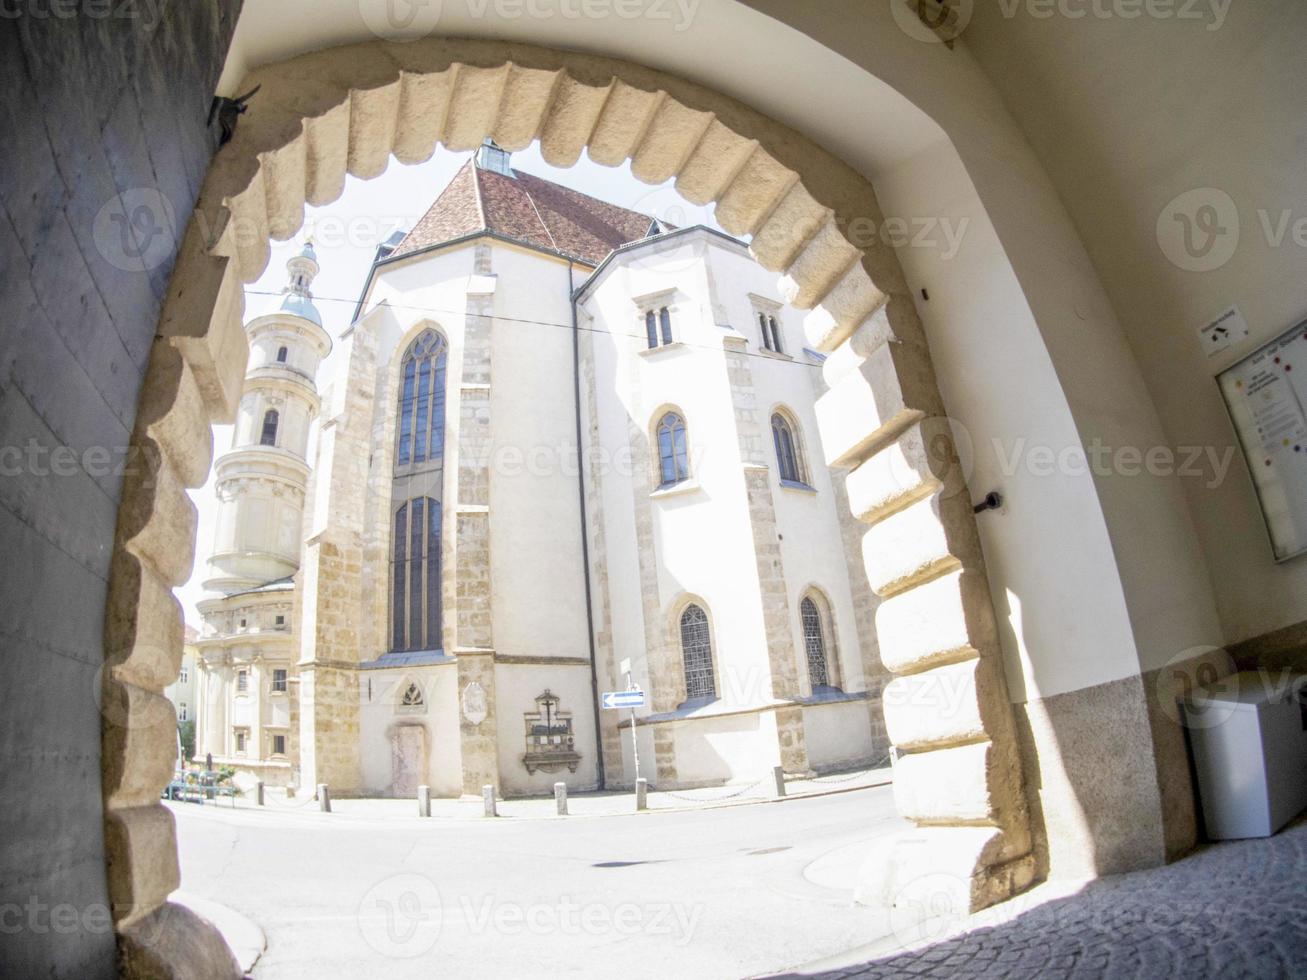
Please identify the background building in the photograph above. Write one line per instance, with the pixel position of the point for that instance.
(467, 590)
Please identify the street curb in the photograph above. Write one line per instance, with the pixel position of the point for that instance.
(244, 938)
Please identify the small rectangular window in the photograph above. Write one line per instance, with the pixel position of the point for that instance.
(181, 711)
(279, 679)
(281, 620)
(182, 676)
(279, 745)
(242, 681)
(240, 742)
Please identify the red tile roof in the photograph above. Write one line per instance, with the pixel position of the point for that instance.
(526, 209)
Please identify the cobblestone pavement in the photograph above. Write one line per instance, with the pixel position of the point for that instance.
(1237, 909)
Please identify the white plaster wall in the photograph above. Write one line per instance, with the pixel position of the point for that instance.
(1225, 114)
(836, 734)
(735, 748)
(702, 536)
(538, 580)
(516, 688)
(1063, 620)
(377, 713)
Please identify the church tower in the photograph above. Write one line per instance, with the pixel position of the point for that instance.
(248, 704)
(261, 480)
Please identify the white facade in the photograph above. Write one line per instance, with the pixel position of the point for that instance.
(454, 620)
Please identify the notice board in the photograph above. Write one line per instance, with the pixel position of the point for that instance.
(1265, 394)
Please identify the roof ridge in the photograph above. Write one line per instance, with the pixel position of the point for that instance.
(539, 217)
(476, 189)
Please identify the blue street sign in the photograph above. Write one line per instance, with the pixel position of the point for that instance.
(623, 699)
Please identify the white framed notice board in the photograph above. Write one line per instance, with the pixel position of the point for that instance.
(1265, 394)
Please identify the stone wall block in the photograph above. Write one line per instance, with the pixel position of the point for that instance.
(172, 412)
(713, 164)
(284, 182)
(844, 309)
(373, 118)
(944, 706)
(474, 106)
(157, 520)
(872, 405)
(627, 114)
(420, 119)
(760, 185)
(930, 538)
(525, 106)
(327, 156)
(936, 623)
(794, 222)
(920, 463)
(141, 848)
(871, 334)
(174, 942)
(959, 785)
(825, 259)
(143, 631)
(573, 116)
(672, 135)
(138, 744)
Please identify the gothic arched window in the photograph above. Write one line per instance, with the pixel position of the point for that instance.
(281, 355)
(673, 457)
(269, 436)
(421, 428)
(415, 576)
(814, 643)
(696, 652)
(788, 462)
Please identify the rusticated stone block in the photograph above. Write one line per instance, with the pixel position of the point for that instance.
(943, 621)
(825, 259)
(872, 405)
(945, 706)
(141, 847)
(921, 542)
(920, 463)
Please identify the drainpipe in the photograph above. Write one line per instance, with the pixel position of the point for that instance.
(585, 529)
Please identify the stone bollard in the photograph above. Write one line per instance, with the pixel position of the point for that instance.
(779, 774)
(258, 793)
(324, 798)
(642, 794)
(424, 801)
(560, 798)
(488, 798)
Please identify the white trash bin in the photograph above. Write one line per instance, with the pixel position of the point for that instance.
(1248, 733)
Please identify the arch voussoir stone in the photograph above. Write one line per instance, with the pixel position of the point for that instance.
(344, 111)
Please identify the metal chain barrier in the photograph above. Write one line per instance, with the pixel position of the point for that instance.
(849, 777)
(712, 799)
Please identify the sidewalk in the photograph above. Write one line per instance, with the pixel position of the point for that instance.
(1234, 909)
(601, 804)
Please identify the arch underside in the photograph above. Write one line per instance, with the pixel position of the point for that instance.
(347, 110)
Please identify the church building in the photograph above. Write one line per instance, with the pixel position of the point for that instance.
(570, 450)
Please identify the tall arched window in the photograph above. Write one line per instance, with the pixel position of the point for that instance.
(673, 458)
(282, 352)
(415, 601)
(415, 576)
(269, 436)
(814, 643)
(421, 428)
(788, 463)
(696, 652)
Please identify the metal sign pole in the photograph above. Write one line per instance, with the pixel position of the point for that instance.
(635, 750)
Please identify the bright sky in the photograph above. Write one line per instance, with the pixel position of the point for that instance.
(345, 236)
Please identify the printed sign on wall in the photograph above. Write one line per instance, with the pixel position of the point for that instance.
(1265, 393)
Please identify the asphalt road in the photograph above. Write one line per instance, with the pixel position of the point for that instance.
(708, 893)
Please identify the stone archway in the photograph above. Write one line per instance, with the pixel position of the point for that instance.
(346, 110)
